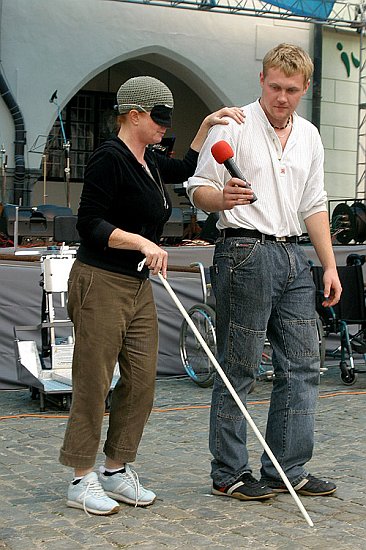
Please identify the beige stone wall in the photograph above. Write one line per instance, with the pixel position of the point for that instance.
(339, 111)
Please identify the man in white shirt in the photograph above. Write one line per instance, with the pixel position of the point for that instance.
(262, 280)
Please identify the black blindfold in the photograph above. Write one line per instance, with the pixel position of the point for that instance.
(162, 115)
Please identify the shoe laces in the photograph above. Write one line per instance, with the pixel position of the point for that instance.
(249, 479)
(314, 481)
(132, 476)
(94, 488)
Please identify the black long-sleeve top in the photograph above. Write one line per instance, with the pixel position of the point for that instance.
(119, 193)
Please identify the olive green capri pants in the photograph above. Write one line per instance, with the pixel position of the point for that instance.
(115, 321)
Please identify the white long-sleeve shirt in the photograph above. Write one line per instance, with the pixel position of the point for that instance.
(286, 182)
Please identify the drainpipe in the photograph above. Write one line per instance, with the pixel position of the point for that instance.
(20, 140)
(317, 77)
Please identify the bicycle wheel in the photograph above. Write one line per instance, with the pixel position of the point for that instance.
(194, 358)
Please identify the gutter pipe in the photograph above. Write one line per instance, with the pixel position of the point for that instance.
(317, 77)
(20, 140)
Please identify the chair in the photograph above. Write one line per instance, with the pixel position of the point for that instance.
(350, 311)
(64, 229)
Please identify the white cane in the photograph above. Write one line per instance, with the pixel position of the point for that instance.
(236, 399)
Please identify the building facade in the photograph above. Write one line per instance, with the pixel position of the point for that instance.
(82, 50)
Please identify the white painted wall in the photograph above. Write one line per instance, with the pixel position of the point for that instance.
(62, 44)
(339, 113)
(207, 59)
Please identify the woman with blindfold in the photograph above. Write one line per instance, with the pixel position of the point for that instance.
(123, 208)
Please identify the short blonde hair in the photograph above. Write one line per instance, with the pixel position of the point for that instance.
(290, 59)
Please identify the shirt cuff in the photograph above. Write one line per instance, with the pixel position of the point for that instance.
(101, 234)
(314, 210)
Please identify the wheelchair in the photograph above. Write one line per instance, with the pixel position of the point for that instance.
(195, 360)
(349, 312)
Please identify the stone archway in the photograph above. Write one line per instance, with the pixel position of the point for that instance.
(194, 94)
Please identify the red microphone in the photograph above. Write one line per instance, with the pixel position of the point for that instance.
(223, 154)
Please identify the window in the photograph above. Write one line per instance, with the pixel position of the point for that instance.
(87, 121)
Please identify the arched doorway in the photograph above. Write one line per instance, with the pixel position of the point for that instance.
(89, 117)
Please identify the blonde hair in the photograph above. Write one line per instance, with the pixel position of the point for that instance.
(290, 59)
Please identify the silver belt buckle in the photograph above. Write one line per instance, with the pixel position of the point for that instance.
(281, 239)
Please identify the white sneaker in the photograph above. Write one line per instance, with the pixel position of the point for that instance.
(125, 487)
(88, 495)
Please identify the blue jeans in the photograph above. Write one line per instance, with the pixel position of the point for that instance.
(264, 289)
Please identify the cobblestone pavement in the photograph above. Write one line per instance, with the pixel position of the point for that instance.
(174, 461)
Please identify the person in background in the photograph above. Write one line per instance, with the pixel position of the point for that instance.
(123, 208)
(262, 280)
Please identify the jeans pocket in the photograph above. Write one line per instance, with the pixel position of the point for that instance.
(301, 338)
(244, 252)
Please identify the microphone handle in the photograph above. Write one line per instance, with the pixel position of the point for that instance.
(235, 172)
